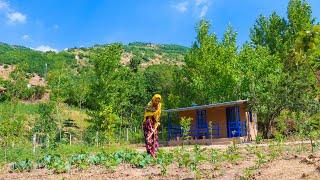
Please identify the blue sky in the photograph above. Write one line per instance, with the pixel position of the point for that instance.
(59, 24)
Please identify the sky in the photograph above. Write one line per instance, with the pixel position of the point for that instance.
(59, 24)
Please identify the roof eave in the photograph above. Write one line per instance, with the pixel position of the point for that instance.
(207, 106)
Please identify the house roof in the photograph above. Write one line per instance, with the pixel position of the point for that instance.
(231, 103)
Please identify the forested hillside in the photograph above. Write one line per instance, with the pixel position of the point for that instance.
(110, 84)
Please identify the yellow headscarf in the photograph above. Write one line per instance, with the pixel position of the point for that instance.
(149, 112)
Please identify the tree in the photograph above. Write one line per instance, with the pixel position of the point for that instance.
(289, 41)
(46, 125)
(209, 74)
(135, 62)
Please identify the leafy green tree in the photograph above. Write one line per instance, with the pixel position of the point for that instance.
(210, 74)
(135, 62)
(103, 126)
(46, 125)
(290, 41)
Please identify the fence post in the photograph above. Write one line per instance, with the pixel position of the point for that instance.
(127, 135)
(34, 139)
(48, 141)
(120, 135)
(162, 132)
(97, 140)
(70, 138)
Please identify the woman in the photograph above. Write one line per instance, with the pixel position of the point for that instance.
(151, 123)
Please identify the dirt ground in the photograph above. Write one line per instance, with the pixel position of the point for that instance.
(291, 165)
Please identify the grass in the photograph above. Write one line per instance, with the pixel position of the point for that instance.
(8, 109)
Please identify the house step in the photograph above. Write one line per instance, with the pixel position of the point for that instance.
(218, 141)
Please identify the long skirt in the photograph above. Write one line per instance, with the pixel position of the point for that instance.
(151, 139)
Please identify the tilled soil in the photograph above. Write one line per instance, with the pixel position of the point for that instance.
(288, 166)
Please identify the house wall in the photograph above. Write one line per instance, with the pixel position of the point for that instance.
(243, 110)
(218, 116)
(192, 114)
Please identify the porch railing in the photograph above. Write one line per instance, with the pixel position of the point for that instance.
(237, 128)
(177, 131)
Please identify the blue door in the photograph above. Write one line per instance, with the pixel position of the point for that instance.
(202, 124)
(233, 121)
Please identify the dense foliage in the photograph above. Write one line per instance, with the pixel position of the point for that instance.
(276, 71)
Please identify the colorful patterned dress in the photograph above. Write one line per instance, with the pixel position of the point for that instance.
(150, 125)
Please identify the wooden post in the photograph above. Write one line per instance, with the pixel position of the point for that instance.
(70, 138)
(97, 138)
(48, 141)
(34, 141)
(120, 134)
(127, 135)
(162, 131)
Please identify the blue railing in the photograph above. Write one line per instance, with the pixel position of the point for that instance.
(237, 128)
(176, 131)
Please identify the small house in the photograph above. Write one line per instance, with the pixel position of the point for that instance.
(213, 121)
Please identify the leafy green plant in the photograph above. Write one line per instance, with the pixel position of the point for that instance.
(55, 163)
(79, 160)
(164, 159)
(275, 150)
(232, 154)
(185, 123)
(214, 156)
(196, 158)
(259, 138)
(262, 158)
(141, 160)
(311, 129)
(21, 166)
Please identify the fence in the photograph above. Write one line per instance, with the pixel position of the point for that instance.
(121, 135)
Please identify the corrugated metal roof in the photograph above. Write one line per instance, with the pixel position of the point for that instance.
(231, 103)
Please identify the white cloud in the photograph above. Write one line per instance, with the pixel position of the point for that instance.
(4, 5)
(199, 7)
(203, 11)
(45, 48)
(181, 7)
(12, 15)
(200, 2)
(16, 17)
(26, 37)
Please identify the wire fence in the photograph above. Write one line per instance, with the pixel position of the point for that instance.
(133, 135)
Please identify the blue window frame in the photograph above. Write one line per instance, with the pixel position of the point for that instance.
(202, 124)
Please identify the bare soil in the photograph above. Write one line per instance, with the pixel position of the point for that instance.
(292, 164)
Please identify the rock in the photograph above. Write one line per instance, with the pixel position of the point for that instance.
(305, 175)
(307, 160)
(215, 174)
(311, 156)
(228, 165)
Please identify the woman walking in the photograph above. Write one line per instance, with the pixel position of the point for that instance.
(151, 123)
